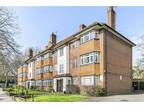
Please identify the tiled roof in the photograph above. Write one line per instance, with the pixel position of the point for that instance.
(101, 25)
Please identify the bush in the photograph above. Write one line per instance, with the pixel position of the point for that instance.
(101, 92)
(5, 89)
(33, 87)
(8, 89)
(88, 90)
(93, 91)
(72, 89)
(49, 89)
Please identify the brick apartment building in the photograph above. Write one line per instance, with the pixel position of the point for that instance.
(96, 55)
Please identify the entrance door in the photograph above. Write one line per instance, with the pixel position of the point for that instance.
(135, 85)
(60, 85)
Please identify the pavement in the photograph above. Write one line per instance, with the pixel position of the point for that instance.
(4, 97)
(137, 97)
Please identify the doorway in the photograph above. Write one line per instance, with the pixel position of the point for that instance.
(60, 85)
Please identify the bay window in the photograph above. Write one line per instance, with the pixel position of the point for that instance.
(89, 36)
(89, 58)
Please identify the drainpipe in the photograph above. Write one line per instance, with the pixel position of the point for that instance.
(105, 71)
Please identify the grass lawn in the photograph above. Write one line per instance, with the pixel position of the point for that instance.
(59, 98)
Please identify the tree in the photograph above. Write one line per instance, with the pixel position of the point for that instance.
(138, 70)
(9, 49)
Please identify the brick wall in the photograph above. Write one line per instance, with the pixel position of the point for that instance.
(119, 63)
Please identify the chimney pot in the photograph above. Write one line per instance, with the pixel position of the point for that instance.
(82, 26)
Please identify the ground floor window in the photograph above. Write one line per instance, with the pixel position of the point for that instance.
(90, 80)
(97, 80)
(47, 83)
(75, 81)
(39, 83)
(87, 80)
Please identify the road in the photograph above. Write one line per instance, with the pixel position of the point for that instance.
(4, 97)
(118, 98)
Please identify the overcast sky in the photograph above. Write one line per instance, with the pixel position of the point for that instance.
(37, 23)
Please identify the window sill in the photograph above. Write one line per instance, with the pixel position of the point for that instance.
(88, 64)
(89, 40)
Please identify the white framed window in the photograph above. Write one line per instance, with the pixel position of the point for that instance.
(97, 80)
(61, 51)
(47, 55)
(39, 83)
(74, 63)
(47, 83)
(87, 80)
(89, 36)
(55, 67)
(48, 68)
(40, 58)
(75, 44)
(89, 58)
(61, 68)
(75, 80)
(39, 70)
(24, 74)
(24, 65)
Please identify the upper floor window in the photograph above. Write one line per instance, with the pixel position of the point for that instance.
(89, 36)
(30, 64)
(55, 68)
(55, 55)
(61, 68)
(22, 75)
(61, 50)
(39, 58)
(47, 55)
(74, 63)
(90, 58)
(39, 70)
(74, 44)
(24, 65)
(48, 68)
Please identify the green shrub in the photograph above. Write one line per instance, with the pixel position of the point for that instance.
(49, 89)
(101, 92)
(8, 89)
(33, 87)
(72, 89)
(93, 91)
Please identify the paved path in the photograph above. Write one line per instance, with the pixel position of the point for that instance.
(4, 97)
(118, 98)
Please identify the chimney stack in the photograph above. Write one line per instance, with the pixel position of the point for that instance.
(111, 17)
(82, 26)
(53, 38)
(30, 53)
